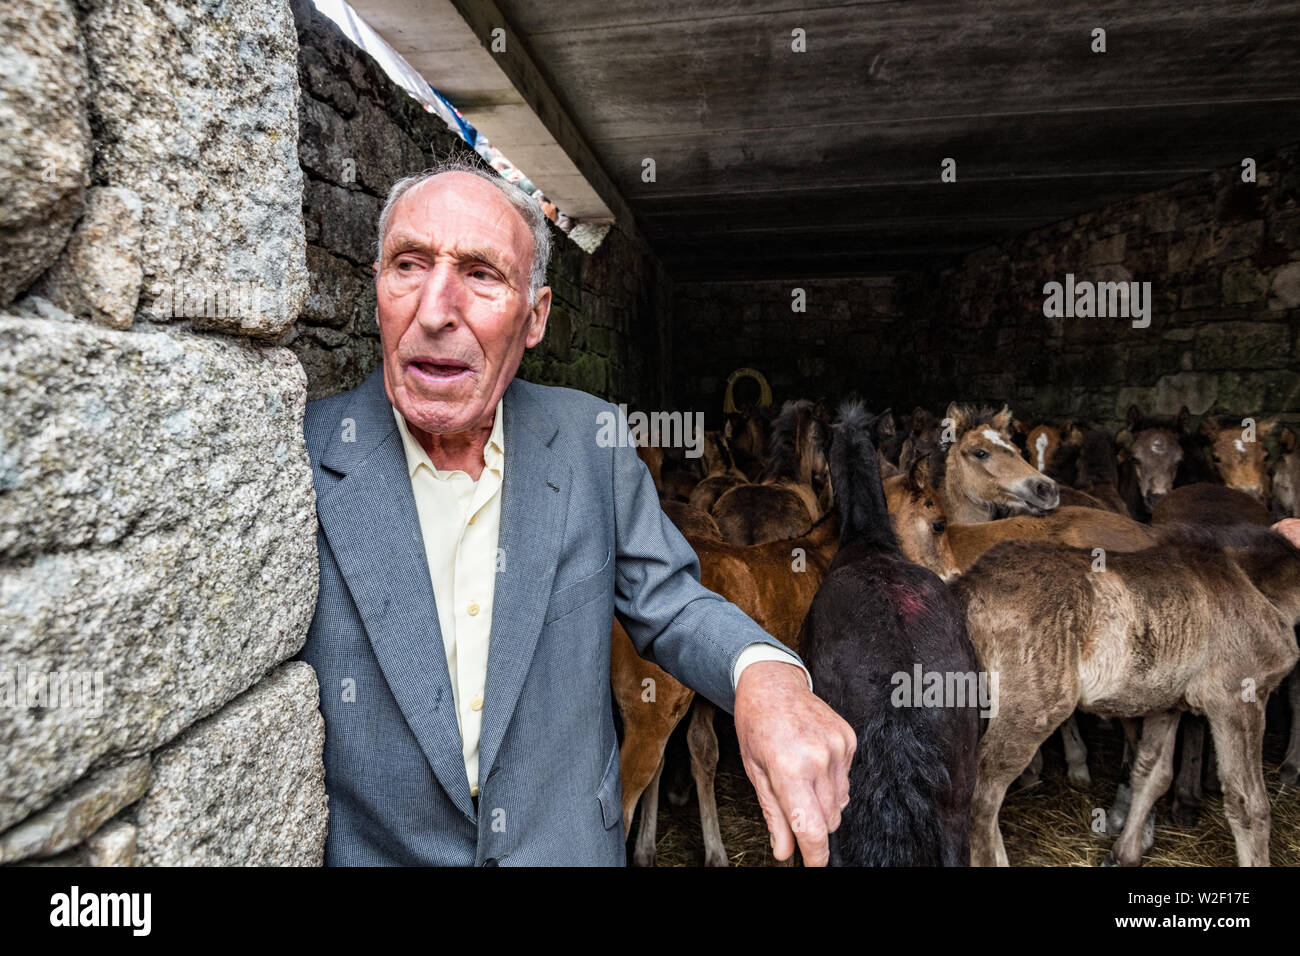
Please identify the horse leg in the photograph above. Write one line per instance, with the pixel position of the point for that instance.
(1076, 754)
(703, 742)
(1291, 762)
(1238, 731)
(1188, 798)
(1153, 770)
(644, 853)
(1118, 812)
(1004, 751)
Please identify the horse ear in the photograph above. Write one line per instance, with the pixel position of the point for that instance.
(919, 475)
(1288, 440)
(959, 417)
(1134, 416)
(1071, 435)
(1266, 427)
(1002, 420)
(1021, 425)
(1209, 426)
(1184, 416)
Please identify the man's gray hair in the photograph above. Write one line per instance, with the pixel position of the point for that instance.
(534, 218)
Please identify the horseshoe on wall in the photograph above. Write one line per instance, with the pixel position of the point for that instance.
(764, 390)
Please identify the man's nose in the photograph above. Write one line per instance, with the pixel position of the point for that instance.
(441, 299)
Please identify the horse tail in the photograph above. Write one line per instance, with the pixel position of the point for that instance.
(900, 782)
(855, 480)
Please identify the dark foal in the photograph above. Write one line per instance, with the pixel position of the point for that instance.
(877, 622)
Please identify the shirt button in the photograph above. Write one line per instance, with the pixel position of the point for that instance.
(476, 703)
(472, 609)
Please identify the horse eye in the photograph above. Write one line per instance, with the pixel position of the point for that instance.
(929, 503)
(981, 454)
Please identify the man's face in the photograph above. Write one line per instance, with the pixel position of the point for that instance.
(452, 290)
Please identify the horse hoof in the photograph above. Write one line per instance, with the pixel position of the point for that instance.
(1080, 779)
(679, 798)
(1108, 860)
(1115, 818)
(1185, 814)
(1149, 832)
(1290, 775)
(639, 859)
(713, 859)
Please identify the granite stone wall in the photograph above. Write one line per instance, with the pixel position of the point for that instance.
(157, 525)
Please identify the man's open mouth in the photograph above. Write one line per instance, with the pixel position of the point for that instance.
(439, 371)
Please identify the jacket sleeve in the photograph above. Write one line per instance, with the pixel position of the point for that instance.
(674, 621)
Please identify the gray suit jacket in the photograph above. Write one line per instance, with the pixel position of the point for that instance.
(583, 538)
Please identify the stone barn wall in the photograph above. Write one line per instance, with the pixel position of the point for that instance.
(1223, 258)
(846, 340)
(359, 133)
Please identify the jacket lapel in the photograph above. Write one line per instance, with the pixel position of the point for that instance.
(534, 494)
(373, 528)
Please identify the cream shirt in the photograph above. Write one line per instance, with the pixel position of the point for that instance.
(460, 520)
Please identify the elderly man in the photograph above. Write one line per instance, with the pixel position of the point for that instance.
(476, 541)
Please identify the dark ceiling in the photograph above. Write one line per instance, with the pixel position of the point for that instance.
(774, 164)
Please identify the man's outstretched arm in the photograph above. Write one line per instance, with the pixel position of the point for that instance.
(796, 750)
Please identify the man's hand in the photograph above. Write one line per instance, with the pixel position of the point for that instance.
(797, 753)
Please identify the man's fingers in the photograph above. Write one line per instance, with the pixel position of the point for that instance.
(828, 800)
(777, 824)
(809, 825)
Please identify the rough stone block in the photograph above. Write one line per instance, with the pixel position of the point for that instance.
(76, 815)
(246, 786)
(98, 276)
(157, 528)
(44, 138)
(195, 109)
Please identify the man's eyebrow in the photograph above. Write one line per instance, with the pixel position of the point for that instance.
(400, 243)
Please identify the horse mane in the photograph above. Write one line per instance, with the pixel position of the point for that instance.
(855, 476)
(785, 458)
(973, 418)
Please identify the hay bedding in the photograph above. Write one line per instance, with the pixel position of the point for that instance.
(1047, 825)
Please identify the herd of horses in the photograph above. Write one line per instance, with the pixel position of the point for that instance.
(1133, 576)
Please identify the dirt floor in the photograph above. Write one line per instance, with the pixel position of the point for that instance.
(1047, 825)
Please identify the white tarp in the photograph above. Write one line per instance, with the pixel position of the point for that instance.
(398, 70)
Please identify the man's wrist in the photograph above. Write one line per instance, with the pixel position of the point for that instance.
(759, 652)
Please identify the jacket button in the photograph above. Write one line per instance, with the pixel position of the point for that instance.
(490, 861)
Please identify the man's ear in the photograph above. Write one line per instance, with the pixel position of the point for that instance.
(374, 269)
(537, 317)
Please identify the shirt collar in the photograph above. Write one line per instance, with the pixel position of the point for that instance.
(493, 452)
